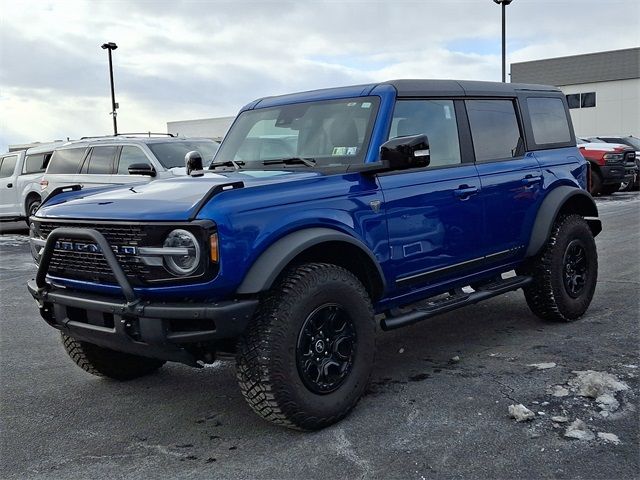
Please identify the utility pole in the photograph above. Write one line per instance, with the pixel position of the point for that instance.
(503, 4)
(114, 106)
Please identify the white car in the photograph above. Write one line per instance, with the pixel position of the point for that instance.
(20, 175)
(121, 160)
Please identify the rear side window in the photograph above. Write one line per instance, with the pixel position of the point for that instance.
(548, 121)
(494, 129)
(66, 161)
(100, 161)
(434, 118)
(129, 156)
(8, 166)
(35, 163)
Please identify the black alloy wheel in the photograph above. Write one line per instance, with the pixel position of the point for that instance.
(575, 268)
(326, 348)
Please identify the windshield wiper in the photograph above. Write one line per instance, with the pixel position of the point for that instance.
(309, 162)
(227, 163)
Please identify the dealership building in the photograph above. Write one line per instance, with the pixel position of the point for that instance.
(602, 89)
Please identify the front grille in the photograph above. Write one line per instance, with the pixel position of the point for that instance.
(69, 261)
(92, 266)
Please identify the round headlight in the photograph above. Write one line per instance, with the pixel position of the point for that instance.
(184, 263)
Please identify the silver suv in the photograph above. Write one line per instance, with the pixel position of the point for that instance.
(120, 160)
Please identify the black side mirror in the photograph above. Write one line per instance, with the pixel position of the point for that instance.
(406, 152)
(193, 164)
(142, 169)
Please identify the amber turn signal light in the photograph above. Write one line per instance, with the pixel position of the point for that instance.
(213, 248)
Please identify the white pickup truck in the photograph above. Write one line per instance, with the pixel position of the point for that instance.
(20, 175)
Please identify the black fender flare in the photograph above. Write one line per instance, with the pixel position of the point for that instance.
(276, 257)
(576, 200)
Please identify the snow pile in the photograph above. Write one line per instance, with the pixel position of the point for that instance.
(590, 383)
(520, 413)
(542, 366)
(578, 430)
(609, 438)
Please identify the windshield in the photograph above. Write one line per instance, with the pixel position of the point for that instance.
(171, 154)
(329, 133)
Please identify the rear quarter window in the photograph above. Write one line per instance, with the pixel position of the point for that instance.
(66, 161)
(35, 163)
(548, 121)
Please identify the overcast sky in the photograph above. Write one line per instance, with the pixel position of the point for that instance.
(181, 60)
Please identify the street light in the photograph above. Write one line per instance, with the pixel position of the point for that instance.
(504, 4)
(112, 46)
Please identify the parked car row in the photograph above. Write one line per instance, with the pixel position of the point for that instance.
(27, 177)
(614, 162)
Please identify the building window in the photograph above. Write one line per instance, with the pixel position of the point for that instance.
(581, 100)
(573, 100)
(588, 100)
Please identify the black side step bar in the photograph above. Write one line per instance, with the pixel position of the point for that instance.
(454, 302)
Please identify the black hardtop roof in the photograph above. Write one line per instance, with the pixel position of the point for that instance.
(420, 88)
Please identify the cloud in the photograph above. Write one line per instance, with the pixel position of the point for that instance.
(196, 59)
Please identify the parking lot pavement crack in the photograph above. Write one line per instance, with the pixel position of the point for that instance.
(504, 387)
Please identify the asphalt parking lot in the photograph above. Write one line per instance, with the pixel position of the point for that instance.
(436, 407)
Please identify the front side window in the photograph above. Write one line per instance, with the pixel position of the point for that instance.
(548, 121)
(130, 155)
(332, 133)
(494, 129)
(100, 161)
(434, 118)
(66, 161)
(8, 166)
(171, 154)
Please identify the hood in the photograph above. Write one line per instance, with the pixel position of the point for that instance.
(159, 200)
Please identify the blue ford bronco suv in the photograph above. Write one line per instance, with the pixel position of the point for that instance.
(325, 216)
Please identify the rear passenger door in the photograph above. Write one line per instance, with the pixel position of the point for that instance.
(434, 214)
(98, 167)
(511, 178)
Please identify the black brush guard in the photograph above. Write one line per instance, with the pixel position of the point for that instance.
(131, 324)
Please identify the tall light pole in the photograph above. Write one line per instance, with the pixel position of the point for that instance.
(112, 46)
(503, 4)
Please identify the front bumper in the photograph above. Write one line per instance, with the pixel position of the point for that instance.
(617, 173)
(163, 330)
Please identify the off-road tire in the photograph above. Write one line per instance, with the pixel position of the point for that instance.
(609, 189)
(266, 360)
(104, 362)
(547, 295)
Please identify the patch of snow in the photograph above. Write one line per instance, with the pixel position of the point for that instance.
(401, 350)
(542, 366)
(559, 391)
(609, 438)
(578, 430)
(560, 419)
(607, 403)
(520, 413)
(590, 383)
(455, 359)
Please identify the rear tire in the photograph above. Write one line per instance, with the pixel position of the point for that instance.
(565, 273)
(104, 362)
(306, 358)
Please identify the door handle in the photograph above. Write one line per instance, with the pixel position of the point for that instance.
(465, 191)
(531, 180)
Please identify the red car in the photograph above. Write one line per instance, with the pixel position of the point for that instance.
(611, 165)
